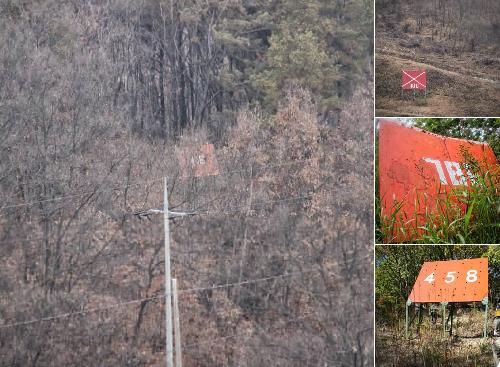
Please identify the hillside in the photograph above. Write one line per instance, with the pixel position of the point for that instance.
(98, 99)
(457, 45)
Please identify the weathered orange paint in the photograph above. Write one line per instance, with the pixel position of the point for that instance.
(409, 160)
(461, 289)
(198, 161)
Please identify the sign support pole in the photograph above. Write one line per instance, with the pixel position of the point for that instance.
(408, 304)
(168, 282)
(451, 318)
(485, 330)
(420, 317)
(443, 304)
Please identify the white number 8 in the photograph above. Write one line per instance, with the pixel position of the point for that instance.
(471, 276)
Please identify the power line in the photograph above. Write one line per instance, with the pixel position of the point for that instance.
(73, 195)
(251, 281)
(135, 301)
(232, 210)
(217, 213)
(117, 188)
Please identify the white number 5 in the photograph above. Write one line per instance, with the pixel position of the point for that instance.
(450, 277)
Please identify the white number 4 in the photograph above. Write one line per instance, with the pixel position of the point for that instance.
(430, 278)
(450, 277)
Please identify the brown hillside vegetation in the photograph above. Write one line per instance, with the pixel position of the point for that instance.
(97, 99)
(455, 41)
(466, 348)
(263, 217)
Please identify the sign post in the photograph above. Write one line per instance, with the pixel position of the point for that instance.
(447, 282)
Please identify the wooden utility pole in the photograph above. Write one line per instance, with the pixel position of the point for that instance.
(177, 326)
(168, 282)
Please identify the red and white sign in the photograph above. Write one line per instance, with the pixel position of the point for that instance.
(414, 79)
(451, 281)
(417, 169)
(198, 161)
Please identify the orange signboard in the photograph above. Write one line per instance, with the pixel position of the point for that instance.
(198, 161)
(417, 167)
(451, 281)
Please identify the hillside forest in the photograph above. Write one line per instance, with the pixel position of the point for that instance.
(97, 99)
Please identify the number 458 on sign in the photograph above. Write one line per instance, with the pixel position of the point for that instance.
(450, 277)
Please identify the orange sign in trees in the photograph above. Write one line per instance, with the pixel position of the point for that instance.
(451, 281)
(416, 168)
(198, 161)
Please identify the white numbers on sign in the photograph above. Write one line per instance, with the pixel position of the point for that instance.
(199, 160)
(471, 276)
(456, 175)
(454, 170)
(430, 278)
(439, 168)
(450, 277)
(202, 159)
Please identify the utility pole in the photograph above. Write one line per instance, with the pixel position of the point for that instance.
(168, 282)
(177, 326)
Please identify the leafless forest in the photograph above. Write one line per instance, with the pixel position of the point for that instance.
(456, 41)
(96, 100)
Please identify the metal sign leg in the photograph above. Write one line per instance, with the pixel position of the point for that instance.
(485, 330)
(449, 320)
(420, 317)
(443, 305)
(408, 303)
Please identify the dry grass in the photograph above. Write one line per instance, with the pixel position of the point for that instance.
(466, 348)
(462, 81)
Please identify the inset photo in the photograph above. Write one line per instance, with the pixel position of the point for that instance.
(437, 58)
(438, 181)
(437, 305)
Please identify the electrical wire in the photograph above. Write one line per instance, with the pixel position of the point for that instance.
(84, 193)
(121, 188)
(136, 301)
(229, 211)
